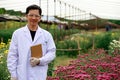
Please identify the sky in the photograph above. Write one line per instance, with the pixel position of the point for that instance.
(109, 9)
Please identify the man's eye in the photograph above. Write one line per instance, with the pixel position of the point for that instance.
(33, 15)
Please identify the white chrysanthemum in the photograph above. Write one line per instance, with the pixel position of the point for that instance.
(114, 45)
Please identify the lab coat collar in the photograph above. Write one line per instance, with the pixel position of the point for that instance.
(26, 29)
(37, 35)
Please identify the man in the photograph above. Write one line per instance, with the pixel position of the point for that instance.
(20, 63)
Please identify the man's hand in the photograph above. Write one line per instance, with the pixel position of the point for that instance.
(13, 78)
(34, 61)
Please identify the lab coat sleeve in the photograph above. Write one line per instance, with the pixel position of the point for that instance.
(51, 51)
(12, 56)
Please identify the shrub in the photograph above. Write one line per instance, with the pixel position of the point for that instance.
(103, 41)
(6, 34)
(4, 74)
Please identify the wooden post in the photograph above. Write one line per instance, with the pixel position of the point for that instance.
(93, 43)
(78, 43)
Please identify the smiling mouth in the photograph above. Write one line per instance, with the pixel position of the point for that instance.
(33, 21)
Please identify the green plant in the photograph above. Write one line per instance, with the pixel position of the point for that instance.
(50, 68)
(4, 74)
(103, 41)
(6, 34)
(69, 45)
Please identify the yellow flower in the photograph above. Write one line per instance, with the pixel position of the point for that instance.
(2, 45)
(6, 52)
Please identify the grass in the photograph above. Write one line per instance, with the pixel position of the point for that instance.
(62, 61)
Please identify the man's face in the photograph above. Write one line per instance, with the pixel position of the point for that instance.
(33, 17)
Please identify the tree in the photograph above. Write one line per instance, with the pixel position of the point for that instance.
(2, 11)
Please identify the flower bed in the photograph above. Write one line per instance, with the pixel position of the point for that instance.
(92, 66)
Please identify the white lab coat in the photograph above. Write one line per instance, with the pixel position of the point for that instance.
(18, 60)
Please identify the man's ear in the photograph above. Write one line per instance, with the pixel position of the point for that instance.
(26, 15)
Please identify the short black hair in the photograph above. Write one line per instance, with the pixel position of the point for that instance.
(33, 7)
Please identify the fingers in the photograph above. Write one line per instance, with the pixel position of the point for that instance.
(34, 61)
(32, 58)
(33, 64)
